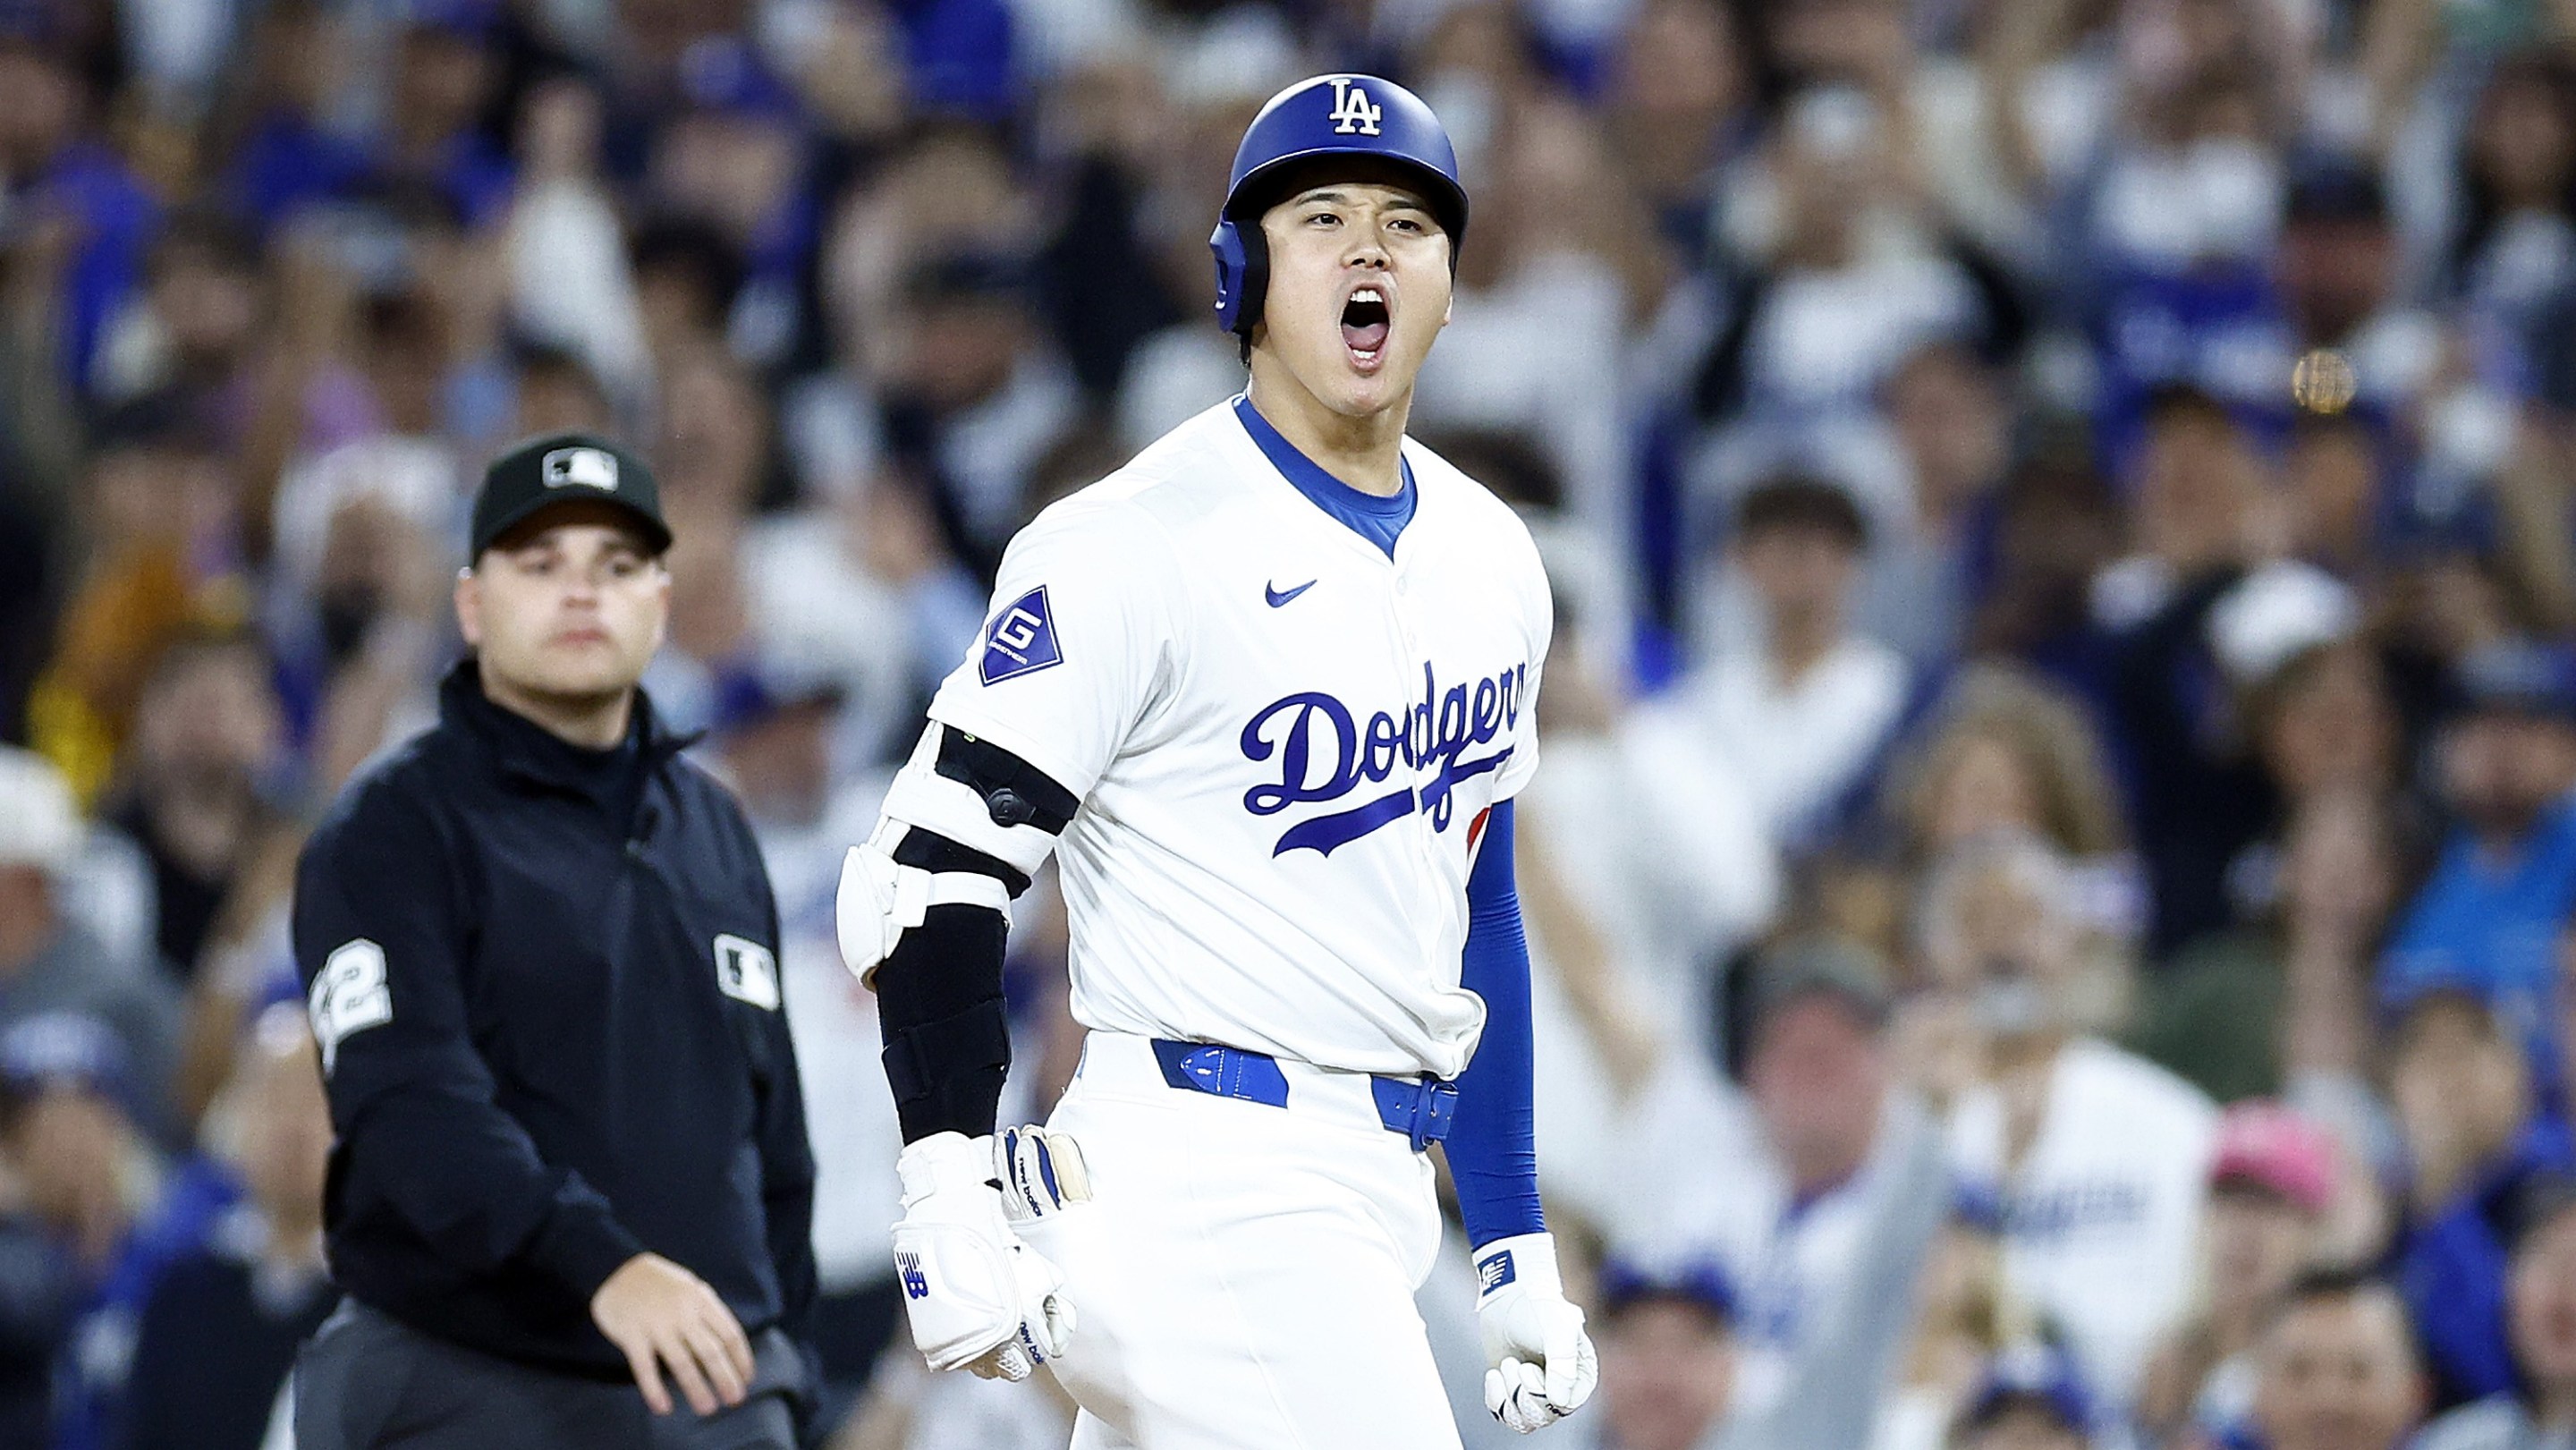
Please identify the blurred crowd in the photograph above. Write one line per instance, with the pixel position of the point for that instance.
(2054, 879)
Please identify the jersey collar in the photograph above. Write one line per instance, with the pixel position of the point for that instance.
(1377, 518)
(525, 752)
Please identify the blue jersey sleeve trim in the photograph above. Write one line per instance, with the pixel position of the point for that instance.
(1493, 1148)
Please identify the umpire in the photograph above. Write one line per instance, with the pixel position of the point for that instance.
(539, 952)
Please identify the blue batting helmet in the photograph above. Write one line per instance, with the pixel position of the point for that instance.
(1334, 115)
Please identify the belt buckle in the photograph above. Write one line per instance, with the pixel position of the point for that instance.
(1433, 1114)
(1429, 1106)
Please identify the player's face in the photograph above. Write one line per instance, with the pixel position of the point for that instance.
(1359, 288)
(571, 610)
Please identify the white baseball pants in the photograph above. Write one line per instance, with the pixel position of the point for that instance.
(1244, 1274)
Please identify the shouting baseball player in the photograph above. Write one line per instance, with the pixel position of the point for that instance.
(1267, 691)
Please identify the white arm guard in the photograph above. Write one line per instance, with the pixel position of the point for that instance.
(920, 796)
(880, 900)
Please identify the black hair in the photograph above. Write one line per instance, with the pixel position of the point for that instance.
(404, 317)
(207, 641)
(1798, 501)
(2334, 1284)
(222, 238)
(530, 355)
(696, 248)
(2185, 403)
(2481, 210)
(162, 421)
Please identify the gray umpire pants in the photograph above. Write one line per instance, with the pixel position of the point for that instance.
(368, 1382)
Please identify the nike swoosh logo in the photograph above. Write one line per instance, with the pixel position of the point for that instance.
(1278, 596)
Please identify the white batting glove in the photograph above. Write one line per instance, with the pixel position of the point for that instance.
(978, 1298)
(1042, 1173)
(1540, 1364)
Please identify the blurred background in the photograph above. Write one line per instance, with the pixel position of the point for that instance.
(2052, 883)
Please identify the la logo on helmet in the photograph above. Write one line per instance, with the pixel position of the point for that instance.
(1352, 113)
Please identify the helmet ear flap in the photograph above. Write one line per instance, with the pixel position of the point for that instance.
(1242, 273)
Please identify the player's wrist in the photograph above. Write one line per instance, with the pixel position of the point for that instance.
(1526, 1262)
(944, 1161)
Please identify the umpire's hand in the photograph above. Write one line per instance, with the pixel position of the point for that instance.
(654, 1310)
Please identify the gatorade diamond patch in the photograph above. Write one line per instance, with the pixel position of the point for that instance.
(1021, 639)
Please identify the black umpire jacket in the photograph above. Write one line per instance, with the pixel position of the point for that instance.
(545, 981)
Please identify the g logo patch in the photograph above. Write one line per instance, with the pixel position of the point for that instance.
(1020, 640)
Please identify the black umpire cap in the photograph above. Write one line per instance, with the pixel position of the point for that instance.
(566, 468)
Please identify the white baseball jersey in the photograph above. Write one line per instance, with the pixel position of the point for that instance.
(1283, 740)
(2102, 1215)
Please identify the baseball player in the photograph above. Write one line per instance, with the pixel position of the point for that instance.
(1267, 692)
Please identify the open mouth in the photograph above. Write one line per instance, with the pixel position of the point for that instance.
(1364, 324)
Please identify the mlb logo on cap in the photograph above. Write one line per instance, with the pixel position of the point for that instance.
(581, 468)
(566, 468)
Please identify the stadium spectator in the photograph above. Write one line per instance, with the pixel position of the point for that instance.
(2005, 751)
(194, 329)
(2032, 1398)
(221, 1323)
(206, 746)
(570, 286)
(276, 152)
(445, 68)
(1667, 1357)
(688, 277)
(2284, 1007)
(1681, 110)
(160, 519)
(2541, 1314)
(67, 177)
(2102, 1159)
(2510, 247)
(2487, 919)
(1845, 278)
(1647, 868)
(1952, 419)
(1811, 1183)
(97, 1191)
(2205, 515)
(2270, 1187)
(1999, 749)
(2336, 1368)
(1798, 709)
(50, 963)
(975, 394)
(36, 1296)
(2475, 1138)
(1963, 1318)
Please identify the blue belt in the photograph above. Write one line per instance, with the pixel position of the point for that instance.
(1422, 1108)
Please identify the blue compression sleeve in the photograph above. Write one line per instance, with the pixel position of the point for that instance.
(1492, 1148)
